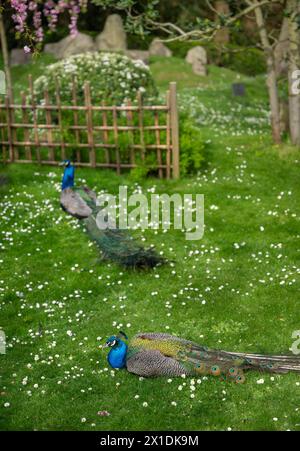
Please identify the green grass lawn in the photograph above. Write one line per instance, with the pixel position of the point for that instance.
(236, 289)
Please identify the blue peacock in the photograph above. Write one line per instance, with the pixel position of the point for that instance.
(116, 245)
(160, 354)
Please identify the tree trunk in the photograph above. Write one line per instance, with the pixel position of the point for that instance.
(294, 66)
(222, 36)
(282, 49)
(5, 59)
(271, 75)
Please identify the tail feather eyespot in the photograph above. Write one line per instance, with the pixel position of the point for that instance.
(240, 379)
(233, 372)
(200, 367)
(215, 370)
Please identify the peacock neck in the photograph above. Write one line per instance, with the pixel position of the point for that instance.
(68, 178)
(117, 355)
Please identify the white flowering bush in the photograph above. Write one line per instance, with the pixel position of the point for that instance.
(113, 78)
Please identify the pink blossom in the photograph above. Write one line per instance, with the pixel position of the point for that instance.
(27, 10)
(103, 413)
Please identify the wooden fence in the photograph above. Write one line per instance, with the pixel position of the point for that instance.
(121, 137)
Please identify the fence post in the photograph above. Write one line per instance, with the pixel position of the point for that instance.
(141, 124)
(25, 121)
(9, 129)
(2, 129)
(174, 130)
(89, 122)
(35, 120)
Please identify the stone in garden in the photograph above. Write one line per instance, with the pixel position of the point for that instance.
(197, 57)
(71, 45)
(157, 48)
(142, 55)
(113, 36)
(238, 89)
(18, 56)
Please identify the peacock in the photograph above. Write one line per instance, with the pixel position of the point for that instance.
(160, 354)
(116, 244)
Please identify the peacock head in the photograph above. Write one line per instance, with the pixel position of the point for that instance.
(114, 340)
(65, 163)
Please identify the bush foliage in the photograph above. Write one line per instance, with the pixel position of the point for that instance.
(113, 77)
(248, 61)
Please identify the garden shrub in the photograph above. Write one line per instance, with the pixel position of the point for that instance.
(248, 61)
(193, 154)
(113, 77)
(193, 148)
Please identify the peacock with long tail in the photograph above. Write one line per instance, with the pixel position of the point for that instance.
(160, 354)
(116, 245)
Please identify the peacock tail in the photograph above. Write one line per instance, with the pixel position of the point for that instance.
(155, 354)
(115, 244)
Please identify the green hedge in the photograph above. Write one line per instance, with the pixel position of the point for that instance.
(248, 61)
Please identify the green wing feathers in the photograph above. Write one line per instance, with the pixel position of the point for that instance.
(116, 245)
(200, 360)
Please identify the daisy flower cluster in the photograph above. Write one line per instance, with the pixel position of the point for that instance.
(113, 78)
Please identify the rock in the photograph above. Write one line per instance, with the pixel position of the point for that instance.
(197, 57)
(18, 56)
(142, 55)
(71, 45)
(157, 48)
(238, 89)
(53, 49)
(113, 36)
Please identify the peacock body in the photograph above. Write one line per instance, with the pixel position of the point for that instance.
(115, 244)
(159, 354)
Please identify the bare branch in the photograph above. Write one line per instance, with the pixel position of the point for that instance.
(178, 34)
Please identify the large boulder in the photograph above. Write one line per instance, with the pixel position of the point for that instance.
(113, 36)
(197, 57)
(157, 48)
(142, 55)
(71, 45)
(18, 56)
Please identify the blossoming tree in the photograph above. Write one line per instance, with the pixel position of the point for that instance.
(28, 19)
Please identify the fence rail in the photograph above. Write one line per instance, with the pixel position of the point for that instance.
(107, 136)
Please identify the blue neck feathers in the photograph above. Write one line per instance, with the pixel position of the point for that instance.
(117, 355)
(68, 177)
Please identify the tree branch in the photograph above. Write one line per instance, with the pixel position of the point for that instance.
(176, 33)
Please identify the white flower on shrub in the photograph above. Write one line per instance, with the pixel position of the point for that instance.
(113, 78)
(110, 76)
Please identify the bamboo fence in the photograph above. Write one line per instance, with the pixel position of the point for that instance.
(93, 135)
